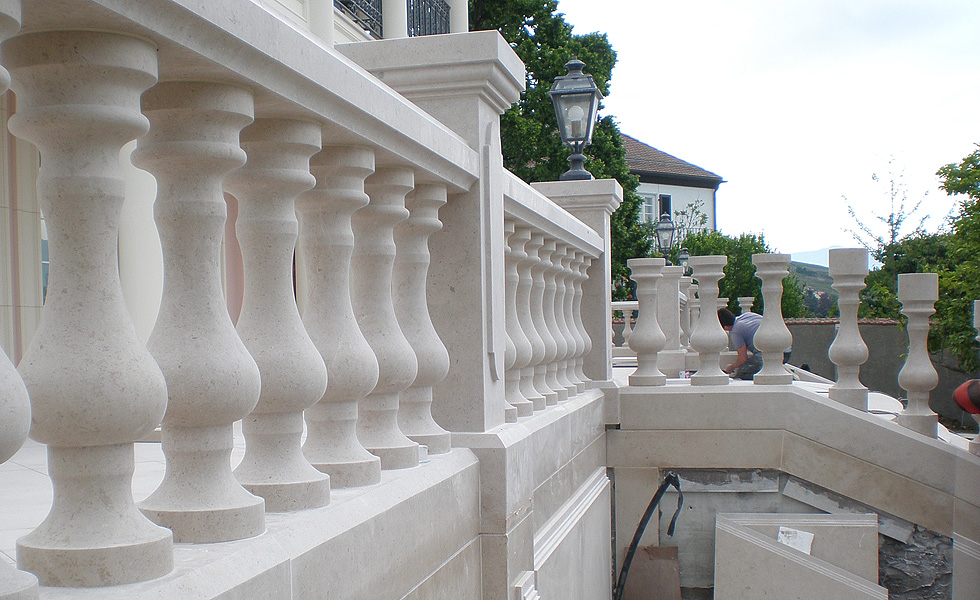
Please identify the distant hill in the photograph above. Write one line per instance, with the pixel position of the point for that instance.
(814, 276)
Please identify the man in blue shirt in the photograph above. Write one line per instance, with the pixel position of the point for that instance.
(742, 334)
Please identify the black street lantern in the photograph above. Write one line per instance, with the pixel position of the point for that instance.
(576, 99)
(684, 259)
(664, 231)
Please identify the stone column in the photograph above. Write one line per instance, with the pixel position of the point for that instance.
(537, 252)
(918, 293)
(708, 338)
(394, 20)
(848, 267)
(648, 339)
(556, 346)
(459, 16)
(773, 337)
(212, 380)
(94, 388)
(371, 295)
(15, 404)
(293, 374)
(518, 344)
(592, 202)
(326, 242)
(411, 269)
(672, 357)
(521, 239)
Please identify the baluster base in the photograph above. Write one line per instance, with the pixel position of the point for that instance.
(416, 422)
(927, 425)
(671, 362)
(378, 432)
(274, 466)
(706, 375)
(855, 398)
(761, 378)
(17, 585)
(73, 546)
(199, 499)
(332, 446)
(530, 392)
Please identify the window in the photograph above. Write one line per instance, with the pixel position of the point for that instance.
(648, 215)
(664, 202)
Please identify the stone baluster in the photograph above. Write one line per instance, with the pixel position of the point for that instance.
(15, 423)
(294, 376)
(15, 407)
(539, 339)
(745, 302)
(212, 380)
(556, 344)
(578, 343)
(539, 251)
(918, 293)
(371, 294)
(694, 302)
(848, 267)
(648, 339)
(685, 314)
(773, 338)
(563, 305)
(584, 263)
(326, 242)
(409, 275)
(521, 239)
(94, 387)
(975, 442)
(672, 358)
(708, 338)
(518, 346)
(628, 309)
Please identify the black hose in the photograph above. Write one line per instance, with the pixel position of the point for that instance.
(670, 479)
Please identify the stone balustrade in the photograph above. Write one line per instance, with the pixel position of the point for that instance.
(339, 204)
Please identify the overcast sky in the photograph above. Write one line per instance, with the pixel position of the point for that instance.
(796, 104)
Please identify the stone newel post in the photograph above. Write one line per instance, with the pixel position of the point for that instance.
(647, 340)
(293, 374)
(708, 338)
(408, 286)
(211, 378)
(849, 267)
(326, 242)
(773, 337)
(918, 293)
(94, 388)
(371, 295)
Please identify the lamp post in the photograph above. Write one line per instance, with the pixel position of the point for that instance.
(664, 234)
(683, 259)
(576, 99)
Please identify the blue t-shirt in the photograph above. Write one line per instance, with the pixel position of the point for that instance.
(743, 331)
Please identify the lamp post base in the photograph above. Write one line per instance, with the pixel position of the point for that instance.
(577, 171)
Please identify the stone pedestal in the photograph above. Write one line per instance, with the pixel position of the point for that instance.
(849, 267)
(326, 242)
(293, 374)
(773, 337)
(371, 294)
(708, 338)
(412, 310)
(648, 339)
(918, 293)
(212, 380)
(94, 387)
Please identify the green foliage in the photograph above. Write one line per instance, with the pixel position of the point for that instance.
(530, 142)
(740, 279)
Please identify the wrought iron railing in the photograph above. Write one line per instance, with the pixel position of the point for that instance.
(427, 17)
(366, 13)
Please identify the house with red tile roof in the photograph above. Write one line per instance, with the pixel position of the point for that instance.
(669, 184)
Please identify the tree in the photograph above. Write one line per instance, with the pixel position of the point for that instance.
(959, 277)
(531, 146)
(740, 279)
